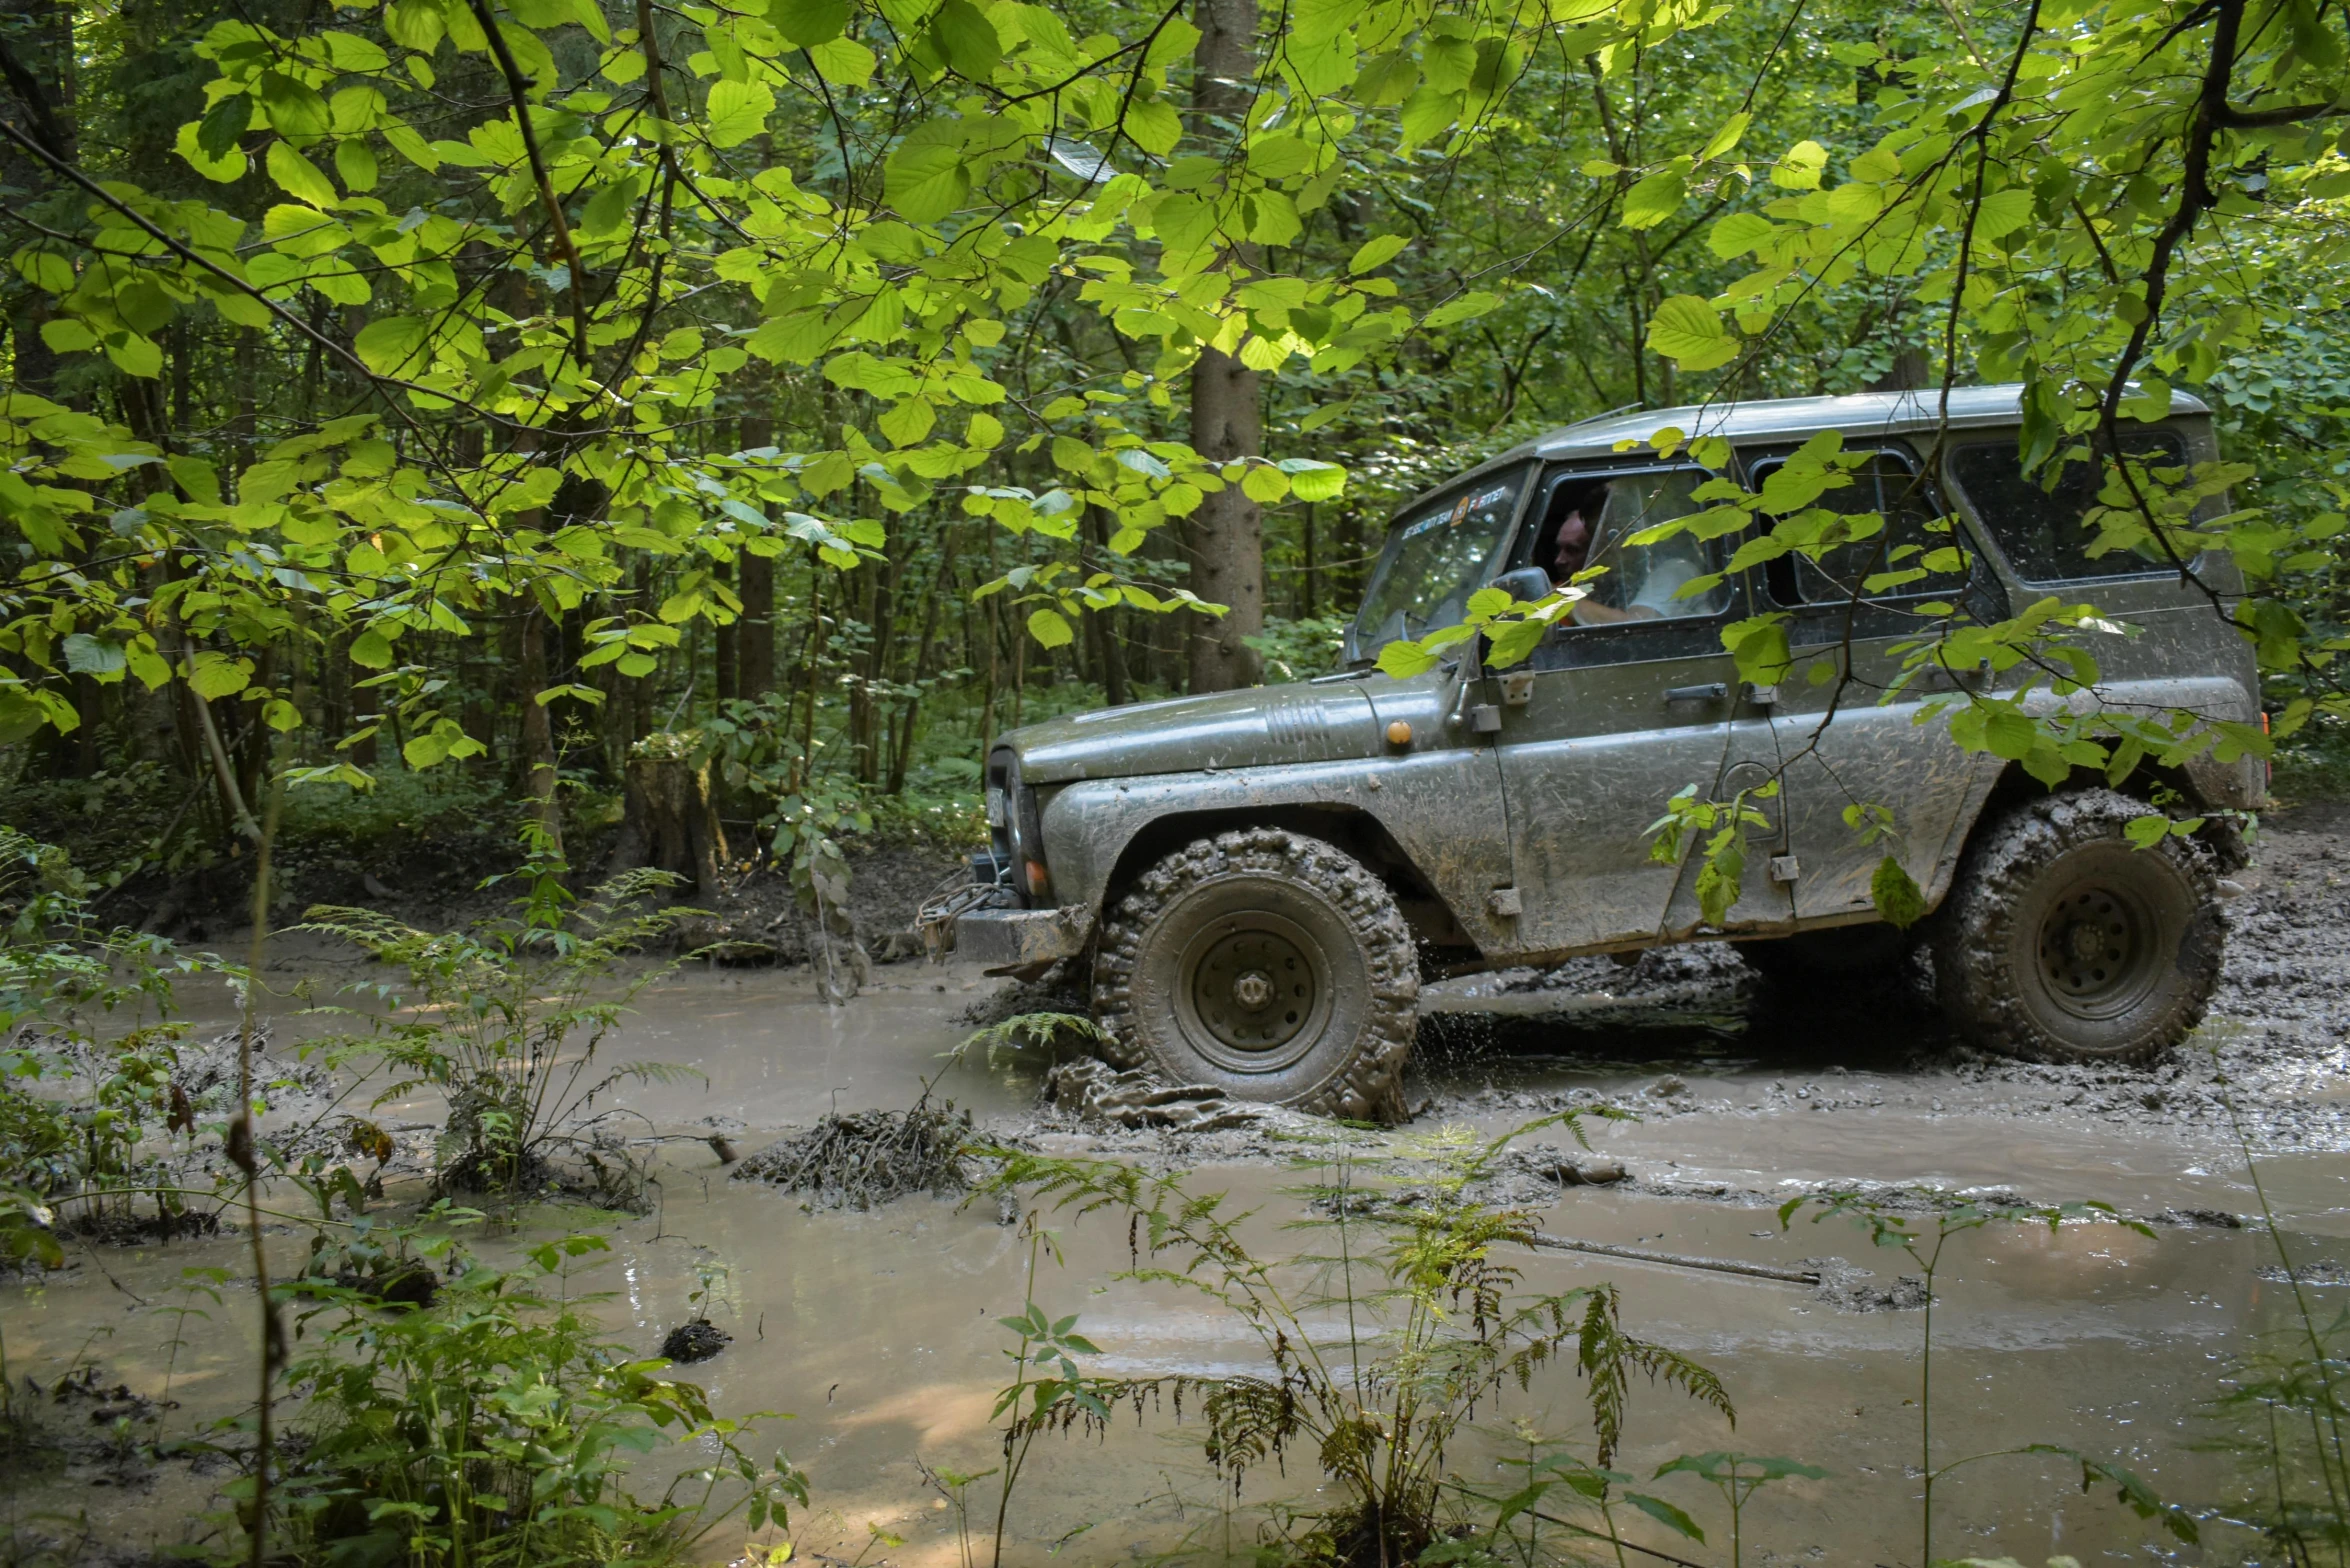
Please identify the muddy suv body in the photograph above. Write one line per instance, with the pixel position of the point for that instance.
(1262, 878)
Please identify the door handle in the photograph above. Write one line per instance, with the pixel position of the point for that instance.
(1711, 691)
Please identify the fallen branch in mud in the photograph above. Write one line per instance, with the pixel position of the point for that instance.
(1677, 1259)
(867, 1158)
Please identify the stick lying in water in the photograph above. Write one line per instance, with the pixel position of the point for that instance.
(1678, 1260)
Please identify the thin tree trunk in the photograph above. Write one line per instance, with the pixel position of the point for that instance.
(1226, 533)
(724, 646)
(754, 638)
(538, 729)
(1109, 656)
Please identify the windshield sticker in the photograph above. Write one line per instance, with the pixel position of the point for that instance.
(1424, 524)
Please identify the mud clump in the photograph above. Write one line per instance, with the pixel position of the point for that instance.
(868, 1158)
(1847, 1289)
(1095, 1091)
(2325, 1271)
(695, 1341)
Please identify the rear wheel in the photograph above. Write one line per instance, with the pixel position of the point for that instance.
(1269, 965)
(2064, 942)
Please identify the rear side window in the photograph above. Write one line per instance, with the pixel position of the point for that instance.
(2039, 519)
(1916, 554)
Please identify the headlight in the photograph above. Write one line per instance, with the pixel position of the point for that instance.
(1012, 828)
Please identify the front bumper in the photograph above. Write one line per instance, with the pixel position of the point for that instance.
(1011, 940)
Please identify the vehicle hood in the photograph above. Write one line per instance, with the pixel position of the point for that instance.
(1233, 729)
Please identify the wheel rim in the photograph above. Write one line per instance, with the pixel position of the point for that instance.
(2097, 949)
(1254, 992)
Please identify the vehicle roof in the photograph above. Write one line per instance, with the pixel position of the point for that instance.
(1784, 418)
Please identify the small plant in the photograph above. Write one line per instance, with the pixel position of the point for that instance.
(1888, 1226)
(493, 1425)
(1437, 1327)
(2285, 1404)
(1737, 1477)
(508, 1021)
(79, 1160)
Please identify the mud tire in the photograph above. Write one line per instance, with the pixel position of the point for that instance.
(2018, 958)
(1845, 955)
(1356, 1017)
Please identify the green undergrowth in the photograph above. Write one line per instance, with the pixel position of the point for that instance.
(493, 1422)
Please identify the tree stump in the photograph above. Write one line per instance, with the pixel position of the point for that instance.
(671, 824)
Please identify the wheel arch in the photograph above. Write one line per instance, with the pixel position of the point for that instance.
(2150, 782)
(1349, 828)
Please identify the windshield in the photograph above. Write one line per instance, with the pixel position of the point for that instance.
(1434, 560)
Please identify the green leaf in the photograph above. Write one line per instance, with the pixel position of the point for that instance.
(1666, 1514)
(1378, 252)
(1654, 198)
(738, 111)
(1466, 308)
(1153, 125)
(1404, 659)
(134, 355)
(414, 24)
(967, 39)
(66, 335)
(223, 123)
(87, 655)
(298, 177)
(1688, 331)
(217, 675)
(806, 23)
(1800, 169)
(389, 345)
(2003, 212)
(355, 162)
(372, 649)
(294, 107)
(1739, 233)
(1310, 480)
(1428, 114)
(927, 175)
(1264, 485)
(1048, 628)
(1727, 138)
(1896, 896)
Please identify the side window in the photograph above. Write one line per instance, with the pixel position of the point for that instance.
(2039, 519)
(1589, 521)
(1915, 553)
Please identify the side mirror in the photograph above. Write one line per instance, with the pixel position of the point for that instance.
(1525, 585)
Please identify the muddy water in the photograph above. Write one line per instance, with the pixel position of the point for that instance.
(877, 1332)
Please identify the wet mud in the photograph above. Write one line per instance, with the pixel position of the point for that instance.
(876, 1328)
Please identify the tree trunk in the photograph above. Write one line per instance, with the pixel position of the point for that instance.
(1109, 655)
(538, 728)
(723, 649)
(671, 823)
(754, 640)
(1226, 534)
(37, 58)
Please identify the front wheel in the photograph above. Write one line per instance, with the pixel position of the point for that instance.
(2064, 942)
(1269, 965)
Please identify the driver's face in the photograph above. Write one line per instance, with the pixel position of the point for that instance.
(1570, 543)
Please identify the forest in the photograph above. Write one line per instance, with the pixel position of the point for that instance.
(471, 422)
(473, 398)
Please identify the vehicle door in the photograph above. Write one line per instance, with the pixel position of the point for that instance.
(1438, 792)
(1608, 718)
(1842, 744)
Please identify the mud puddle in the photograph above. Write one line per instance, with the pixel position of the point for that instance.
(877, 1331)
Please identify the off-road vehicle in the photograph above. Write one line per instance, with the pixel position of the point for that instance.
(1262, 879)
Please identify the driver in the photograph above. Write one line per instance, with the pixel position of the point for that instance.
(1571, 552)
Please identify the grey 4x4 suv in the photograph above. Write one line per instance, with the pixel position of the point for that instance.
(1262, 878)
